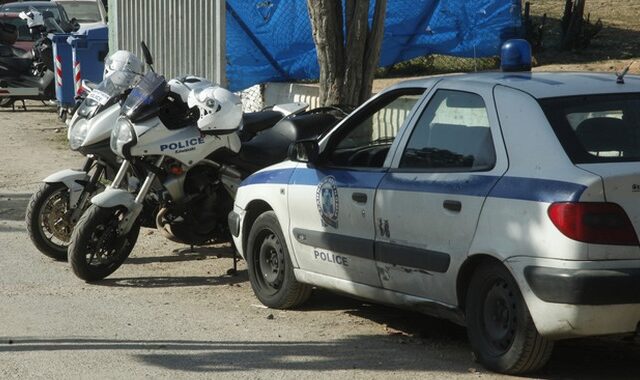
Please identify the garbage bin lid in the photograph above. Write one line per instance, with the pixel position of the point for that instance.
(97, 33)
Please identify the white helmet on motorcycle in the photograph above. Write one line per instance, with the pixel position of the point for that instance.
(220, 109)
(183, 86)
(33, 17)
(122, 61)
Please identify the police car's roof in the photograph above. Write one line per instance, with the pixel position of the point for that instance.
(540, 84)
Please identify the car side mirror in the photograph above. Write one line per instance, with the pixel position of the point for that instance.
(304, 151)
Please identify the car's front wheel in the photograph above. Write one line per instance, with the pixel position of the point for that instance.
(502, 334)
(270, 268)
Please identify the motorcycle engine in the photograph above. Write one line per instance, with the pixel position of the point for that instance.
(200, 217)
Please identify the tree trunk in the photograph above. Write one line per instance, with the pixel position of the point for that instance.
(372, 51)
(347, 63)
(573, 24)
(326, 21)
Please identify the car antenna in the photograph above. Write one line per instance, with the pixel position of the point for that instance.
(624, 72)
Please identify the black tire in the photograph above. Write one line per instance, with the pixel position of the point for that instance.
(6, 102)
(270, 268)
(50, 198)
(95, 250)
(500, 329)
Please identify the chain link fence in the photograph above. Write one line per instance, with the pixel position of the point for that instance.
(252, 98)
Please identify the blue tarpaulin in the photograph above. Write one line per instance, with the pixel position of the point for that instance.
(271, 40)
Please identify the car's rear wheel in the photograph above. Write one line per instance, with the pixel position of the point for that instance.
(270, 268)
(502, 334)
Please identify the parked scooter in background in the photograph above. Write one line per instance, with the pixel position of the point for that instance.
(62, 197)
(23, 74)
(187, 134)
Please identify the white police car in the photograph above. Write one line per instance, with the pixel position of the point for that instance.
(508, 202)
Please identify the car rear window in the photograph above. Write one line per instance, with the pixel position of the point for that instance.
(597, 128)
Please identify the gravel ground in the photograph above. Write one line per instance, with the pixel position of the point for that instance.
(172, 313)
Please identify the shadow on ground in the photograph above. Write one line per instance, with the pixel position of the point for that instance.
(174, 281)
(185, 254)
(576, 359)
(13, 206)
(364, 352)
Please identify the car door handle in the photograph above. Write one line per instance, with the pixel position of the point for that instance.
(450, 205)
(359, 197)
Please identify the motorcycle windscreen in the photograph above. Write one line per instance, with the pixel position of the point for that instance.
(106, 94)
(146, 98)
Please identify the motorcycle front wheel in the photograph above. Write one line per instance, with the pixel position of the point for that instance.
(6, 102)
(96, 249)
(48, 220)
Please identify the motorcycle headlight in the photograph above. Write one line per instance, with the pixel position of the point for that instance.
(122, 136)
(78, 133)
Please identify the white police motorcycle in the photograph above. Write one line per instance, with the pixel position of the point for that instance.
(56, 206)
(172, 139)
(196, 146)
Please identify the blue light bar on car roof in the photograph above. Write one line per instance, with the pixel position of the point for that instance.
(515, 55)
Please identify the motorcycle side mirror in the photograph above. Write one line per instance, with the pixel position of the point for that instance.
(75, 25)
(147, 54)
(304, 151)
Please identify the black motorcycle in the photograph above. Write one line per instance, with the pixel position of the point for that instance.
(28, 74)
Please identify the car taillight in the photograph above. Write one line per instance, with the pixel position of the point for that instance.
(593, 222)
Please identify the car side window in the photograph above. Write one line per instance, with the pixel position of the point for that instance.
(366, 141)
(452, 134)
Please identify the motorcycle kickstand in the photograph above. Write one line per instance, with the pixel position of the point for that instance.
(234, 271)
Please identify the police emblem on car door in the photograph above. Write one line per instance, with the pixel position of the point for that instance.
(327, 201)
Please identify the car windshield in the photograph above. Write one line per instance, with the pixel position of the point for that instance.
(83, 11)
(597, 128)
(145, 98)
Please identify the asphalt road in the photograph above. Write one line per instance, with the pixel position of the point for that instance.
(173, 313)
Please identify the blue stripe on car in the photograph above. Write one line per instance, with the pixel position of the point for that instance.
(278, 176)
(522, 188)
(474, 185)
(536, 189)
(364, 179)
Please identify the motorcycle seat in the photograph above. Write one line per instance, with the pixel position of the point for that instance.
(255, 122)
(8, 51)
(13, 65)
(271, 145)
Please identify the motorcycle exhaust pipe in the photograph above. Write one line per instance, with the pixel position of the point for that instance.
(224, 169)
(164, 227)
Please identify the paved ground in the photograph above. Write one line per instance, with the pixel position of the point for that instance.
(171, 313)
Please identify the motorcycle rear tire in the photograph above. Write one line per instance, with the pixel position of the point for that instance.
(82, 249)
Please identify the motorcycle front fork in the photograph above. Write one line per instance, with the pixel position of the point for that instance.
(134, 212)
(89, 188)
